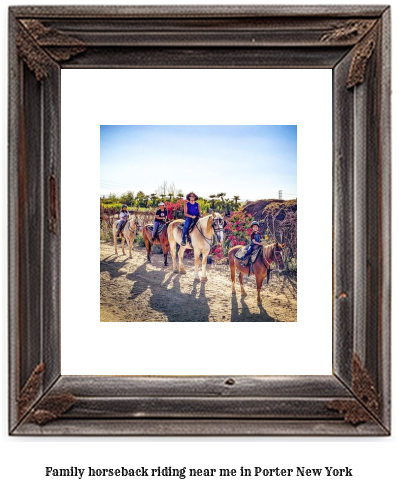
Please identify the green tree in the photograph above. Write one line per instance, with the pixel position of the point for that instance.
(140, 199)
(128, 198)
(221, 196)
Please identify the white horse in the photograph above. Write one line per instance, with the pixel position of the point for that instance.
(201, 240)
(129, 232)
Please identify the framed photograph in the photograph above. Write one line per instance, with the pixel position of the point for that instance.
(215, 115)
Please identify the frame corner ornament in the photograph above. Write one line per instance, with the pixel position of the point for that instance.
(352, 30)
(363, 52)
(38, 46)
(30, 390)
(367, 405)
(51, 407)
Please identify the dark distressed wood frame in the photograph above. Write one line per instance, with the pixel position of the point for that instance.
(353, 41)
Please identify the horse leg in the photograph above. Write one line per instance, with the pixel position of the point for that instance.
(196, 263)
(232, 275)
(181, 254)
(132, 238)
(115, 239)
(204, 260)
(123, 242)
(173, 254)
(128, 247)
(243, 293)
(164, 241)
(259, 282)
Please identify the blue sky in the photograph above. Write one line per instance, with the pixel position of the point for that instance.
(250, 161)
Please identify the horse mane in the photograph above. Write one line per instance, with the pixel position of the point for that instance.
(205, 219)
(267, 251)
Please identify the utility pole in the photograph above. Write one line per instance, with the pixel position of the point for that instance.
(280, 194)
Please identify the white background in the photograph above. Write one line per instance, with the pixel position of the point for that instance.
(165, 97)
(374, 461)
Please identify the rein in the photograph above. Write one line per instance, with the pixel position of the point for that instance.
(266, 262)
(207, 239)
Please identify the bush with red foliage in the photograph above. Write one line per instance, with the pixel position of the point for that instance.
(236, 232)
(174, 208)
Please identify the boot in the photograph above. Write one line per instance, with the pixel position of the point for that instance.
(183, 241)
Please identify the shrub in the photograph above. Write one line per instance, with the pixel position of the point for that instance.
(106, 233)
(139, 240)
(236, 232)
(175, 209)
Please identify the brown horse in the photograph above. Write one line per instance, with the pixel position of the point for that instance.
(161, 239)
(261, 267)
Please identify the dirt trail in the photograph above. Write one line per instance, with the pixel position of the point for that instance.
(135, 290)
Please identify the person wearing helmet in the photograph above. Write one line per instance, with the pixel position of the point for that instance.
(123, 218)
(255, 241)
(192, 213)
(160, 218)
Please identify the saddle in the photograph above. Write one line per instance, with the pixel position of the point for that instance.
(191, 227)
(250, 260)
(120, 233)
(242, 252)
(160, 228)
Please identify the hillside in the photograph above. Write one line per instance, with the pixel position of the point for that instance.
(277, 219)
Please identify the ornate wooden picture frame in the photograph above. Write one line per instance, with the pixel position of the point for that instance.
(353, 41)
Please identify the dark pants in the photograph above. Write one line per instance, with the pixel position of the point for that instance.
(121, 225)
(155, 229)
(249, 251)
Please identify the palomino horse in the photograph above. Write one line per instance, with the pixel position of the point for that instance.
(161, 239)
(128, 232)
(261, 267)
(201, 241)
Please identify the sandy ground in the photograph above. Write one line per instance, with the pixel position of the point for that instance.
(135, 290)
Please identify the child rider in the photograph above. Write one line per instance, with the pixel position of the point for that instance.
(123, 218)
(255, 241)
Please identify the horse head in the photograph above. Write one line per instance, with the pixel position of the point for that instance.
(218, 224)
(278, 255)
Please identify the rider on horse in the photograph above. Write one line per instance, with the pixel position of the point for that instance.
(123, 218)
(192, 213)
(255, 241)
(160, 218)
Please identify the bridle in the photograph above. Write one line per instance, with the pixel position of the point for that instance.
(277, 257)
(214, 226)
(209, 240)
